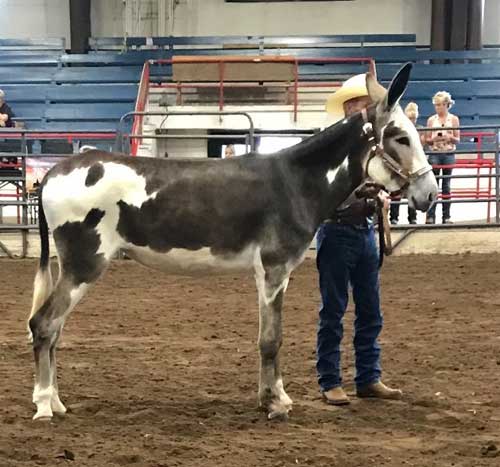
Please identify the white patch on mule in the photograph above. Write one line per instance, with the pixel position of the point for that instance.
(283, 396)
(42, 399)
(266, 293)
(192, 262)
(76, 295)
(332, 173)
(56, 404)
(67, 199)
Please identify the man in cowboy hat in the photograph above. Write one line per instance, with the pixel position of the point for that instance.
(348, 255)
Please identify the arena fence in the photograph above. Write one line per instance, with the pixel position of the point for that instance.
(481, 155)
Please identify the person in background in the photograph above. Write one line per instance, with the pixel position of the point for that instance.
(411, 111)
(348, 255)
(444, 142)
(6, 114)
(6, 121)
(229, 151)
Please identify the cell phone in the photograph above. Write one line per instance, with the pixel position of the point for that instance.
(440, 134)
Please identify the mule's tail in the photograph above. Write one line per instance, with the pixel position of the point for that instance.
(43, 280)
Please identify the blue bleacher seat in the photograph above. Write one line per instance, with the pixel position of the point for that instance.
(26, 75)
(93, 93)
(12, 60)
(69, 126)
(87, 112)
(112, 59)
(15, 93)
(27, 112)
(53, 43)
(112, 74)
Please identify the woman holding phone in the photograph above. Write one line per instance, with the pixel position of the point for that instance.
(444, 143)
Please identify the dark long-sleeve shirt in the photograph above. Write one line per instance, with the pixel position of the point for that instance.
(5, 109)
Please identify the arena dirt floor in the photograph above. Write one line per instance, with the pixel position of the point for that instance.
(160, 370)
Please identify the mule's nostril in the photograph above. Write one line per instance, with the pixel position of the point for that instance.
(431, 197)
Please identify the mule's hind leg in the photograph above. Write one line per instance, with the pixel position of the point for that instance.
(271, 285)
(46, 325)
(42, 289)
(81, 263)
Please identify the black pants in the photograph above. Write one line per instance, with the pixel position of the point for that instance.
(394, 213)
(442, 159)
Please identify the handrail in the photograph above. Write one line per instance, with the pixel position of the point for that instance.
(140, 106)
(135, 137)
(100, 43)
(33, 44)
(16, 133)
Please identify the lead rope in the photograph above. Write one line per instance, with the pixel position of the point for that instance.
(384, 233)
(381, 238)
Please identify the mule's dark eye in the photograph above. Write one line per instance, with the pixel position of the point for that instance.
(403, 140)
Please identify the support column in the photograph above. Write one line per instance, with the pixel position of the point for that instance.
(162, 18)
(475, 25)
(79, 19)
(440, 25)
(459, 24)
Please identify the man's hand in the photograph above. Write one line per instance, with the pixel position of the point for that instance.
(384, 199)
(368, 190)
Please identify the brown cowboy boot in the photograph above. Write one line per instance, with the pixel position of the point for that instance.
(379, 390)
(336, 396)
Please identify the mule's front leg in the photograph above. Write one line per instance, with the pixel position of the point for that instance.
(272, 394)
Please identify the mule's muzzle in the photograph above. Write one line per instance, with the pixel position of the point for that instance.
(423, 192)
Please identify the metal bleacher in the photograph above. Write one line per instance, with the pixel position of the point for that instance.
(50, 89)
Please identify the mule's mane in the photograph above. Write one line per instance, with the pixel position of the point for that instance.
(330, 146)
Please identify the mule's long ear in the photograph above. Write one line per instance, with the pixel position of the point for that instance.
(376, 91)
(398, 86)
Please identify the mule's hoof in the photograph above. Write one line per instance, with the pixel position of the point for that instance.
(57, 406)
(279, 411)
(278, 416)
(43, 414)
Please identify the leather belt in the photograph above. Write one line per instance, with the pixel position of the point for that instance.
(354, 221)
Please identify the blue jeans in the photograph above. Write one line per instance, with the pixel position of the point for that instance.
(348, 255)
(442, 159)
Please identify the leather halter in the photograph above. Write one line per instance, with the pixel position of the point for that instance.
(377, 150)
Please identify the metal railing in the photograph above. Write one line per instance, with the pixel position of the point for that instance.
(489, 195)
(487, 156)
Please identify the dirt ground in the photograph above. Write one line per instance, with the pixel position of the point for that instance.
(161, 370)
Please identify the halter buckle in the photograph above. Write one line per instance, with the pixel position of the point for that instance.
(368, 128)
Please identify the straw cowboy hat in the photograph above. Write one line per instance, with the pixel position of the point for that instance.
(351, 89)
